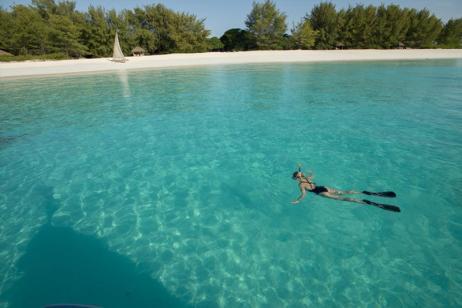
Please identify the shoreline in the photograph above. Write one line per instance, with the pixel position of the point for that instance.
(79, 66)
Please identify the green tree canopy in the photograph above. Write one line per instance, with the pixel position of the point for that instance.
(7, 25)
(237, 40)
(356, 27)
(29, 31)
(49, 26)
(214, 44)
(189, 34)
(97, 34)
(140, 31)
(323, 19)
(173, 32)
(64, 36)
(392, 26)
(424, 29)
(451, 35)
(303, 35)
(267, 24)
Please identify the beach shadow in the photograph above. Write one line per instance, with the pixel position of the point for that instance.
(63, 266)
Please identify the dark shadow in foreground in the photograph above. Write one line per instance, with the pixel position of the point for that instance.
(62, 266)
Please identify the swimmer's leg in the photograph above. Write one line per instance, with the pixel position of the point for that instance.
(361, 201)
(342, 192)
(335, 195)
(389, 194)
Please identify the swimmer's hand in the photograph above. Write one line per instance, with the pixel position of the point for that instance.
(295, 202)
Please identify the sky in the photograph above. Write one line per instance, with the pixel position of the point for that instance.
(221, 15)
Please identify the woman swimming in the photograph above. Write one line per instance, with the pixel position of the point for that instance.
(305, 183)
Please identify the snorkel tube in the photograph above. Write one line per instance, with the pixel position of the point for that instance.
(299, 170)
(295, 174)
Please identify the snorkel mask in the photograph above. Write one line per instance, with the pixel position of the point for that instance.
(295, 175)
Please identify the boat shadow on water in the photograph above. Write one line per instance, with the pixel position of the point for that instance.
(63, 266)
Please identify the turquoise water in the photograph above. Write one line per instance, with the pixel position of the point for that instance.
(173, 186)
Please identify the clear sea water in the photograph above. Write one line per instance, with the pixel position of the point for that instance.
(172, 187)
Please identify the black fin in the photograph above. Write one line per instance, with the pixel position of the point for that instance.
(390, 208)
(387, 207)
(388, 194)
(369, 202)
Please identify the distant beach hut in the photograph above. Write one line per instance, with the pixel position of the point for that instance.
(4, 53)
(118, 55)
(339, 46)
(401, 45)
(138, 51)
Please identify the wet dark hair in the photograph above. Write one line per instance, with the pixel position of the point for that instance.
(294, 175)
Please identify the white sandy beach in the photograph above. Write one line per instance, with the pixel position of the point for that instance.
(37, 68)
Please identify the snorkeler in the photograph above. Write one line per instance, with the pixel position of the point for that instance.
(305, 183)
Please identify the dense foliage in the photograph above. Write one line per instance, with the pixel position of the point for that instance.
(303, 35)
(374, 27)
(323, 19)
(267, 25)
(49, 27)
(237, 40)
(451, 35)
(325, 27)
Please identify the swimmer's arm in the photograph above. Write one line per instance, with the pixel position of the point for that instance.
(310, 176)
(302, 195)
(310, 173)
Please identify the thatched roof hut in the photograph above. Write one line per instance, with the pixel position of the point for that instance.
(4, 53)
(138, 51)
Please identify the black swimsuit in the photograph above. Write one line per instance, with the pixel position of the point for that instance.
(317, 189)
